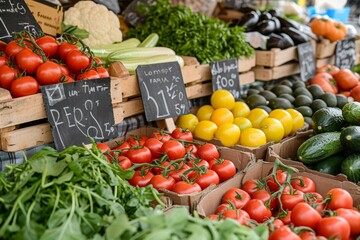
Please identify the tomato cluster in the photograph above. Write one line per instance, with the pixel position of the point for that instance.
(172, 161)
(28, 62)
(291, 207)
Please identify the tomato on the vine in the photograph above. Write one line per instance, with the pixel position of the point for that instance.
(139, 154)
(257, 210)
(198, 162)
(280, 177)
(24, 86)
(237, 196)
(224, 168)
(265, 197)
(48, 73)
(137, 140)
(289, 200)
(161, 135)
(102, 72)
(339, 198)
(328, 68)
(285, 217)
(3, 60)
(183, 187)
(124, 162)
(315, 200)
(335, 227)
(222, 208)
(103, 147)
(283, 233)
(141, 178)
(173, 149)
(159, 181)
(7, 76)
(87, 75)
(48, 44)
(250, 186)
(237, 214)
(176, 173)
(182, 134)
(190, 148)
(352, 216)
(304, 215)
(208, 152)
(77, 61)
(155, 147)
(206, 179)
(2, 46)
(303, 184)
(12, 48)
(28, 61)
(65, 48)
(122, 148)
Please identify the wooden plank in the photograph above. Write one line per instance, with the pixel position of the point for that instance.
(247, 78)
(132, 107)
(4, 95)
(267, 74)
(325, 48)
(275, 56)
(199, 90)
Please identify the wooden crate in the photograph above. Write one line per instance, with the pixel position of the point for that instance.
(331, 60)
(267, 74)
(325, 48)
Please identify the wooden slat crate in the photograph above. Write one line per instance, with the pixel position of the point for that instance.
(331, 60)
(325, 48)
(267, 74)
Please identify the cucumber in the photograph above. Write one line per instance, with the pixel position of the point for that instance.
(351, 167)
(319, 147)
(150, 41)
(330, 165)
(139, 53)
(328, 119)
(350, 138)
(351, 113)
(103, 51)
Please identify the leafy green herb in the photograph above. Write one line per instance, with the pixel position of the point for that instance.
(191, 34)
(75, 30)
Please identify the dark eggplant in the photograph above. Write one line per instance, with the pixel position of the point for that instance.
(288, 39)
(247, 9)
(273, 12)
(265, 27)
(277, 41)
(265, 16)
(297, 36)
(277, 23)
(287, 23)
(249, 20)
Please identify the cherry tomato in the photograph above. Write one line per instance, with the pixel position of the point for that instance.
(28, 61)
(173, 149)
(155, 147)
(77, 61)
(304, 215)
(335, 227)
(222, 208)
(102, 72)
(24, 86)
(283, 233)
(208, 178)
(48, 73)
(237, 214)
(137, 141)
(141, 178)
(7, 76)
(177, 173)
(265, 197)
(208, 152)
(161, 135)
(103, 147)
(65, 48)
(280, 177)
(89, 74)
(3, 60)
(303, 184)
(289, 200)
(124, 162)
(49, 45)
(139, 154)
(159, 181)
(224, 168)
(182, 134)
(12, 48)
(340, 198)
(352, 216)
(237, 196)
(257, 210)
(250, 186)
(183, 187)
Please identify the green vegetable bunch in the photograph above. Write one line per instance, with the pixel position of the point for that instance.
(73, 194)
(191, 34)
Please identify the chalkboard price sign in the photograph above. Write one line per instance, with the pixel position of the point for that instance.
(78, 111)
(131, 15)
(15, 16)
(225, 75)
(306, 61)
(345, 56)
(162, 90)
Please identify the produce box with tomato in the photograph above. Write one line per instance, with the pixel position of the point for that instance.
(289, 201)
(180, 167)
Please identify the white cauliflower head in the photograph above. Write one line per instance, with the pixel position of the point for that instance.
(103, 25)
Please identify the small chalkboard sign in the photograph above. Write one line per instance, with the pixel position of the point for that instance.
(345, 55)
(78, 111)
(162, 90)
(306, 61)
(225, 75)
(131, 15)
(15, 16)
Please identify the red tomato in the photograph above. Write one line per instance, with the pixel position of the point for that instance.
(124, 162)
(277, 224)
(206, 179)
(137, 141)
(257, 210)
(183, 134)
(64, 69)
(328, 68)
(250, 186)
(237, 196)
(2, 46)
(3, 60)
(304, 215)
(89, 74)
(173, 149)
(139, 155)
(155, 147)
(198, 162)
(122, 148)
(222, 208)
(48, 73)
(237, 214)
(159, 181)
(103, 147)
(102, 72)
(224, 168)
(346, 79)
(285, 217)
(12, 48)
(177, 173)
(307, 235)
(65, 48)
(158, 170)
(334, 227)
(49, 45)
(7, 76)
(315, 200)
(67, 79)
(355, 93)
(190, 148)
(352, 216)
(213, 217)
(265, 197)
(326, 82)
(208, 152)
(283, 233)
(289, 200)
(28, 61)
(161, 135)
(303, 184)
(77, 61)
(141, 178)
(280, 177)
(183, 187)
(24, 86)
(340, 198)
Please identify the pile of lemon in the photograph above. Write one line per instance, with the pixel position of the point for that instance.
(232, 122)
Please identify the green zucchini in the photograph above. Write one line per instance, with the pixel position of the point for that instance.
(319, 147)
(330, 165)
(351, 112)
(350, 138)
(351, 167)
(139, 53)
(102, 51)
(150, 41)
(328, 119)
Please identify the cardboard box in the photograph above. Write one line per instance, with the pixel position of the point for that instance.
(48, 15)
(242, 160)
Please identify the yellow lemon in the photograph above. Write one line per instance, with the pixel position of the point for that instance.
(252, 137)
(298, 120)
(273, 129)
(228, 134)
(242, 123)
(222, 99)
(285, 118)
(204, 112)
(241, 109)
(187, 121)
(205, 130)
(221, 116)
(256, 115)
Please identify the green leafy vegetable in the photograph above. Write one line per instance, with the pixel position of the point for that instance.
(75, 30)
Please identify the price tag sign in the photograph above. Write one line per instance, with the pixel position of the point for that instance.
(162, 90)
(78, 111)
(306, 61)
(15, 16)
(131, 15)
(225, 75)
(345, 55)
